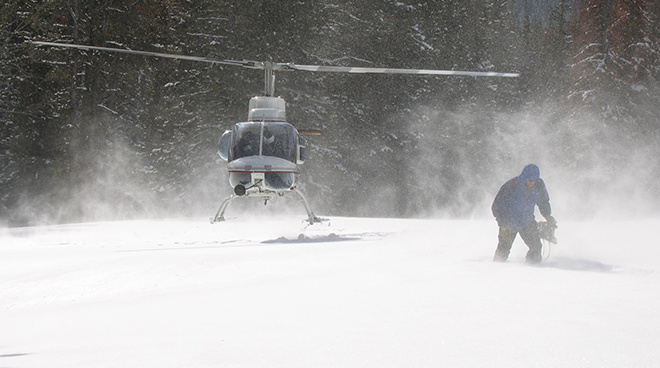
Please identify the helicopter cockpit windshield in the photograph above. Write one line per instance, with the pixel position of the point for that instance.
(264, 139)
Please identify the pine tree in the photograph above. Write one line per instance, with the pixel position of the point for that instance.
(556, 44)
(613, 68)
(31, 144)
(632, 48)
(589, 74)
(654, 17)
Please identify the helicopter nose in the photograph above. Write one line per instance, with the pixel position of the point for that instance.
(239, 190)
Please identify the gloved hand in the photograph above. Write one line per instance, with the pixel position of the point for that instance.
(551, 221)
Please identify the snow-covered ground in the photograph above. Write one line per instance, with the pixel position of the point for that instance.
(351, 293)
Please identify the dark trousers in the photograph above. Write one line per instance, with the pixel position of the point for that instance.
(529, 234)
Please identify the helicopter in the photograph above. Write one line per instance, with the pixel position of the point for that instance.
(264, 152)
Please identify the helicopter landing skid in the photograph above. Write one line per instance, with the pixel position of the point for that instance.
(311, 218)
(220, 215)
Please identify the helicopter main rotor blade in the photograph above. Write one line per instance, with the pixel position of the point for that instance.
(246, 64)
(358, 70)
(282, 66)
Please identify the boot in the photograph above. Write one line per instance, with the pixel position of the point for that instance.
(500, 256)
(533, 257)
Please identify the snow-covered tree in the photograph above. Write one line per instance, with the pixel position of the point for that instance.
(612, 72)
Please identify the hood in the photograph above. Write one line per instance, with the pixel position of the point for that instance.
(531, 172)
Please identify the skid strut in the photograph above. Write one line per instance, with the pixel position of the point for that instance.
(311, 218)
(220, 215)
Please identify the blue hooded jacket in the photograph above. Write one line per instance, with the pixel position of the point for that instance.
(514, 203)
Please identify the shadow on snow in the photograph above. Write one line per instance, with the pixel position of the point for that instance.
(302, 238)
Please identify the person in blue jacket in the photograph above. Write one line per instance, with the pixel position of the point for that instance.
(513, 209)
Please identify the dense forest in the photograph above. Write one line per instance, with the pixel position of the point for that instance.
(90, 135)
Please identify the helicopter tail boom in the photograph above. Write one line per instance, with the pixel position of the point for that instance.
(309, 132)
